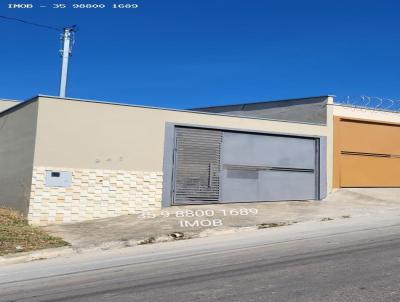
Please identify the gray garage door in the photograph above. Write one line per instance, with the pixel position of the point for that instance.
(212, 166)
(268, 168)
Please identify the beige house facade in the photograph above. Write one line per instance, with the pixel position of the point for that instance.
(70, 160)
(110, 158)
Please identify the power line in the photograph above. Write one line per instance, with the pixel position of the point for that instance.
(68, 40)
(31, 23)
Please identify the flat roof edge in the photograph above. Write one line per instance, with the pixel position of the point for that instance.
(8, 100)
(264, 102)
(18, 105)
(175, 110)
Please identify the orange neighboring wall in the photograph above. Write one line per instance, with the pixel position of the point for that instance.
(366, 153)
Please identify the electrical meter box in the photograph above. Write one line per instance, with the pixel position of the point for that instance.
(61, 179)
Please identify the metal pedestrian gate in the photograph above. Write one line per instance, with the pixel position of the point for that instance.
(196, 165)
(215, 166)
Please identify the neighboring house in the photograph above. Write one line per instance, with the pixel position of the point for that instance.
(67, 160)
(366, 142)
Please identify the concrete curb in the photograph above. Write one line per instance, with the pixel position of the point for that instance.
(111, 245)
(36, 255)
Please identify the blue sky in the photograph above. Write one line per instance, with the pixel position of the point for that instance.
(186, 53)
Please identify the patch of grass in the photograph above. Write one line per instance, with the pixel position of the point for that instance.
(346, 216)
(16, 235)
(326, 219)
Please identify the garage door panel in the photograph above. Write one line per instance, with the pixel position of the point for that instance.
(369, 171)
(369, 137)
(237, 184)
(367, 153)
(280, 185)
(249, 186)
(268, 150)
(268, 168)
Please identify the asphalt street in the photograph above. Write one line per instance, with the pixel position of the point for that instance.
(348, 260)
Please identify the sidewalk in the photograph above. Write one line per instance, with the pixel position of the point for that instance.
(204, 220)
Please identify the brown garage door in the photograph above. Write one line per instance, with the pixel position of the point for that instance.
(367, 154)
